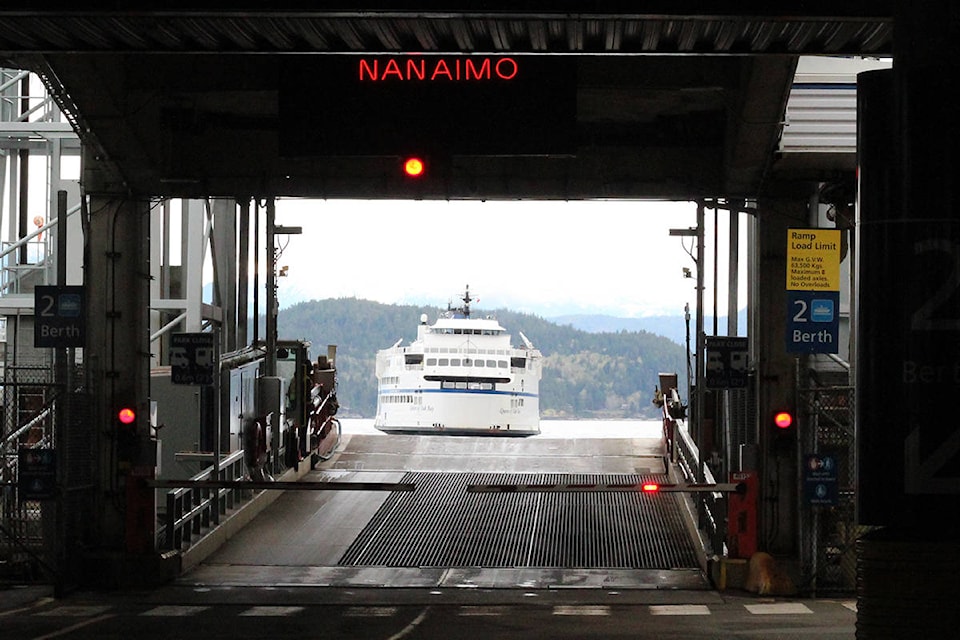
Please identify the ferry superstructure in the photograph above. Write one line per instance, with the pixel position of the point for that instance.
(460, 376)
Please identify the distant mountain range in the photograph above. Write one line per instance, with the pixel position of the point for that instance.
(672, 327)
(586, 374)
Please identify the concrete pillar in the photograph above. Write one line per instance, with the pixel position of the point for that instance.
(776, 368)
(117, 357)
(909, 331)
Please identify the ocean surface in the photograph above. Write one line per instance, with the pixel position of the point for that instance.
(551, 428)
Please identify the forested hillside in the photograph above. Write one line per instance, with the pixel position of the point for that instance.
(585, 375)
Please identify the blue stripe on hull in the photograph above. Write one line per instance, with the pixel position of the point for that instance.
(518, 394)
(499, 433)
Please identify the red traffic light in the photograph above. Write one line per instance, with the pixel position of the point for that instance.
(126, 415)
(783, 419)
(413, 167)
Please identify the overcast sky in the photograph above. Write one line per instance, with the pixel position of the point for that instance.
(547, 258)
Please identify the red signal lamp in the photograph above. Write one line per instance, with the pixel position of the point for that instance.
(126, 415)
(783, 419)
(650, 487)
(414, 167)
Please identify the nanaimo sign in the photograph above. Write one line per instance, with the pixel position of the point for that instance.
(439, 106)
(435, 69)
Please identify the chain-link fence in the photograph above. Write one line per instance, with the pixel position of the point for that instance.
(49, 417)
(830, 532)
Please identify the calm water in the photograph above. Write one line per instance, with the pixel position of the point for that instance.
(552, 428)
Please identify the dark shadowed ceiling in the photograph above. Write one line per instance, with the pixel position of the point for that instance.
(685, 99)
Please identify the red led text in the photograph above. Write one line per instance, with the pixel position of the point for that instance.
(427, 69)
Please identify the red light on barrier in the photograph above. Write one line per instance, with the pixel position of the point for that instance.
(126, 415)
(783, 419)
(413, 167)
(650, 487)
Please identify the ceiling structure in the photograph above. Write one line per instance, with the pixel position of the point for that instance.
(680, 101)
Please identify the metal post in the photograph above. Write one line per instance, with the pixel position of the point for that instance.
(256, 272)
(271, 360)
(701, 475)
(733, 283)
(243, 268)
(63, 363)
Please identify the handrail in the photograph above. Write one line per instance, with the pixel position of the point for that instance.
(191, 510)
(168, 327)
(714, 503)
(33, 234)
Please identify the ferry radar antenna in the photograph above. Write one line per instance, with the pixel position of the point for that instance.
(466, 302)
(465, 309)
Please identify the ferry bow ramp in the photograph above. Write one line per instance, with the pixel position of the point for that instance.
(452, 530)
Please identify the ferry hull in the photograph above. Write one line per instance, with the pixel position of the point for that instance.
(463, 413)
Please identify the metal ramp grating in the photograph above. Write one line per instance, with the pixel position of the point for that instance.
(441, 525)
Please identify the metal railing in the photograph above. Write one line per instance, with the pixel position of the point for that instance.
(193, 512)
(711, 505)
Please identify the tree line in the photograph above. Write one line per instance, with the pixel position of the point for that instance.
(585, 375)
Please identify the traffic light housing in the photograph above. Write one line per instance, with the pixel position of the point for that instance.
(783, 424)
(127, 434)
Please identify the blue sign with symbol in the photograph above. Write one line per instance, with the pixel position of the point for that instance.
(813, 325)
(59, 316)
(820, 483)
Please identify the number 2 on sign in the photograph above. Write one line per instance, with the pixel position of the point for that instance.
(923, 318)
(46, 310)
(801, 314)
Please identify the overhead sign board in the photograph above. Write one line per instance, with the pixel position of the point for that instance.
(193, 358)
(813, 260)
(392, 105)
(59, 316)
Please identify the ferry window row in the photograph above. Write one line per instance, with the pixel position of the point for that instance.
(390, 380)
(467, 332)
(475, 386)
(466, 362)
(489, 352)
(403, 399)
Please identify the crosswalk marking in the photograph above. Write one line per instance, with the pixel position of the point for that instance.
(173, 610)
(370, 612)
(581, 610)
(484, 611)
(265, 611)
(680, 610)
(778, 608)
(76, 611)
(766, 608)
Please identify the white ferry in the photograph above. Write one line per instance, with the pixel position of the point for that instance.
(461, 376)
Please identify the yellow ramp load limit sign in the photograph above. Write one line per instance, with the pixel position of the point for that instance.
(813, 260)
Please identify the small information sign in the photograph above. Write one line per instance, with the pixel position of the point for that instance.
(820, 487)
(726, 362)
(813, 324)
(813, 259)
(37, 471)
(192, 358)
(59, 316)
